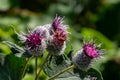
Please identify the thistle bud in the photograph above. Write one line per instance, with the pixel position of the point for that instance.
(58, 33)
(36, 41)
(35, 44)
(58, 24)
(83, 58)
(57, 43)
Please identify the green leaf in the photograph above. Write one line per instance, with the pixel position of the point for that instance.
(77, 74)
(11, 67)
(95, 74)
(55, 64)
(17, 50)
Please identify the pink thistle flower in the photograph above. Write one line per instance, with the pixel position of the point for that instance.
(91, 50)
(35, 44)
(36, 41)
(84, 57)
(59, 37)
(33, 41)
(57, 24)
(57, 43)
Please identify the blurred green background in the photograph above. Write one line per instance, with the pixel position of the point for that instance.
(97, 19)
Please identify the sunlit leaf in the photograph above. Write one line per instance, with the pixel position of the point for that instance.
(17, 50)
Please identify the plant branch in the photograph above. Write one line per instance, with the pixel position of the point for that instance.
(41, 66)
(24, 68)
(36, 66)
(61, 72)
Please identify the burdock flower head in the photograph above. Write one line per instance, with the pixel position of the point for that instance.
(58, 24)
(83, 58)
(59, 37)
(57, 41)
(36, 41)
(42, 31)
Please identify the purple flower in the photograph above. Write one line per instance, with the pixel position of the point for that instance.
(33, 41)
(36, 41)
(83, 58)
(91, 50)
(57, 42)
(57, 24)
(58, 37)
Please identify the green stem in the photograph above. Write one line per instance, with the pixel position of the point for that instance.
(35, 67)
(24, 68)
(41, 66)
(61, 72)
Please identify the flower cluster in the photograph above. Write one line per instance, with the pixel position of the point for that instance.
(84, 57)
(51, 37)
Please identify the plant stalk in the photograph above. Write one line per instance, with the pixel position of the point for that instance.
(41, 66)
(24, 68)
(36, 58)
(61, 72)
